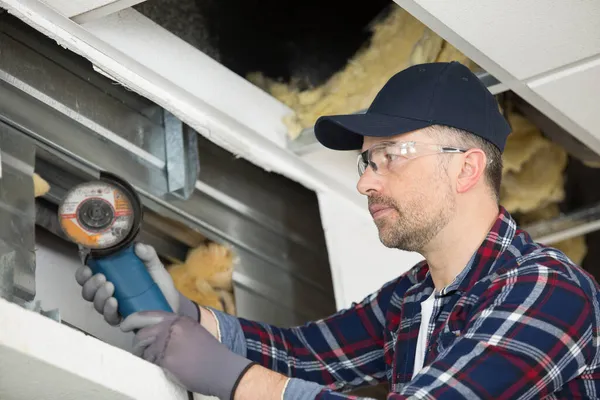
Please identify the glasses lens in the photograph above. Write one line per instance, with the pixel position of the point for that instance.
(378, 159)
(384, 157)
(362, 163)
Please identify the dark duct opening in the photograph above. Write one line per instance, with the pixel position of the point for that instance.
(307, 41)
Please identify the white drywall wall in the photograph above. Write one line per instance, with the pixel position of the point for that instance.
(42, 359)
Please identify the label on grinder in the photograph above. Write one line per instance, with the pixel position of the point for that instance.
(96, 215)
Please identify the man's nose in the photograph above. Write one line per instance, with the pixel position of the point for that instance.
(369, 183)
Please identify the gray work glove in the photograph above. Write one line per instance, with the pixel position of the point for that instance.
(188, 352)
(96, 289)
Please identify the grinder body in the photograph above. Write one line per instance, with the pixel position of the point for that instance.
(135, 290)
(104, 217)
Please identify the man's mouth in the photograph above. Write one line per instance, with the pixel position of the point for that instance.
(379, 210)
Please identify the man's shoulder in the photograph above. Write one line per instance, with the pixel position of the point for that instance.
(529, 258)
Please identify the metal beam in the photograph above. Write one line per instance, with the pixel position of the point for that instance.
(108, 124)
(273, 267)
(17, 216)
(567, 226)
(29, 72)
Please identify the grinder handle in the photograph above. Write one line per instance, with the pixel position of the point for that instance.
(135, 290)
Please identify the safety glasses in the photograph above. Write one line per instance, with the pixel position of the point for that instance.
(383, 157)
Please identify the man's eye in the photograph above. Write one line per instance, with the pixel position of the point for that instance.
(391, 156)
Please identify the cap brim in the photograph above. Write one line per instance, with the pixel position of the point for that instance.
(346, 132)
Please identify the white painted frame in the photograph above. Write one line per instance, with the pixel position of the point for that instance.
(79, 8)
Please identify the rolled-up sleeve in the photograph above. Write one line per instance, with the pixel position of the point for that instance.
(340, 352)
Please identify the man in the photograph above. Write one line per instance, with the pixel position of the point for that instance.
(489, 313)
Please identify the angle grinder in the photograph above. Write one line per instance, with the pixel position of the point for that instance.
(104, 217)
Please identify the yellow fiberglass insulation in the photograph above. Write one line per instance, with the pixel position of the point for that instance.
(533, 168)
(398, 41)
(206, 276)
(40, 186)
(533, 181)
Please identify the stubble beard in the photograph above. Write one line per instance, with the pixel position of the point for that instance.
(416, 223)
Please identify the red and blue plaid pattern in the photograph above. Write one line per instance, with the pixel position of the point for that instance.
(520, 322)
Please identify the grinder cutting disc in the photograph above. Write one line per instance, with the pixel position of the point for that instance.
(100, 215)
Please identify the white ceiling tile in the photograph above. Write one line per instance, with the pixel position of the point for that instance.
(526, 38)
(576, 93)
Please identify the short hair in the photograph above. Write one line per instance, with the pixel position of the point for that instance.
(461, 138)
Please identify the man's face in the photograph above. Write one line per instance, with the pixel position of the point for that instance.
(414, 201)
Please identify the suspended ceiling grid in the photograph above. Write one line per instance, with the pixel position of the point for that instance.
(548, 52)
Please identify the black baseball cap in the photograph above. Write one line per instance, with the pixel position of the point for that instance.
(422, 95)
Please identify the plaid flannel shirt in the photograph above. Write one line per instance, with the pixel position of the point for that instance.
(521, 321)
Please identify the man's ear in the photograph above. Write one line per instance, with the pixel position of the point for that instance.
(473, 166)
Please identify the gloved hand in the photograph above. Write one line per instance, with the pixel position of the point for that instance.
(188, 352)
(96, 289)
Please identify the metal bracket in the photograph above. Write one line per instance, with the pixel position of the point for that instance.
(116, 131)
(17, 216)
(182, 160)
(36, 307)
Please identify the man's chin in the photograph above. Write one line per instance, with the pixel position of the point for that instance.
(387, 237)
(393, 239)
(386, 243)
(396, 243)
(390, 243)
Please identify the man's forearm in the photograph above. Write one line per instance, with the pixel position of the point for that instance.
(261, 383)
